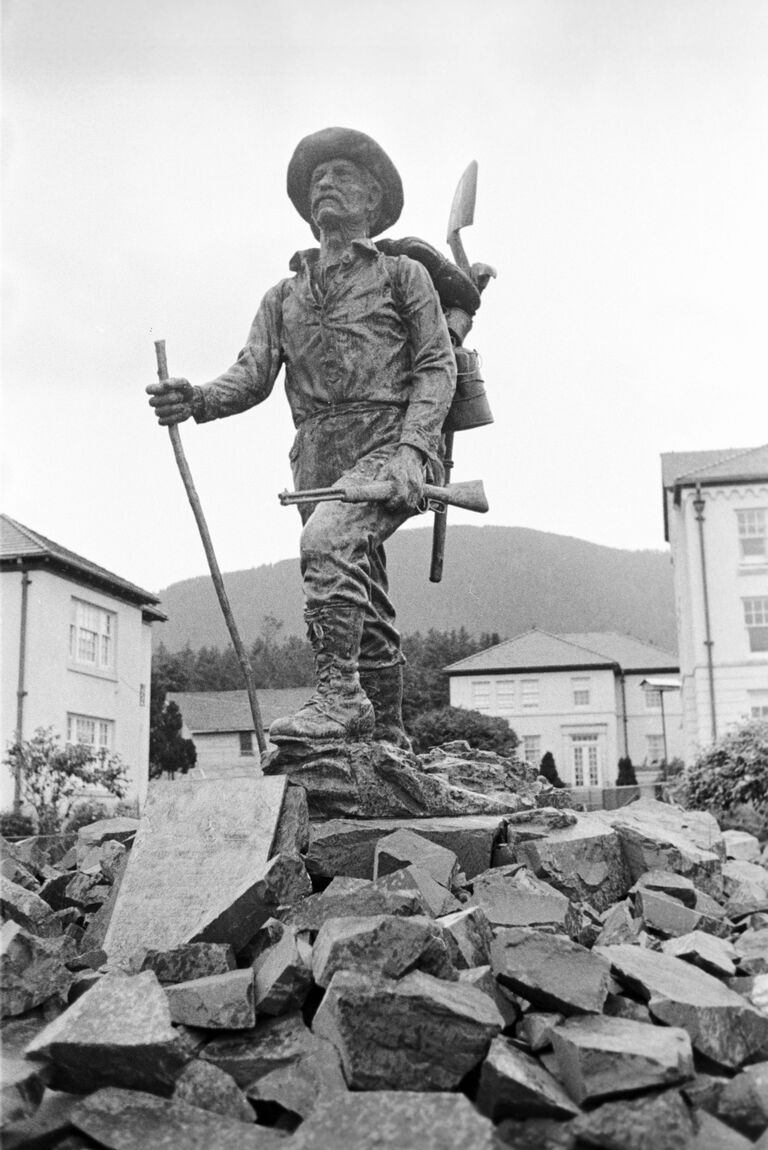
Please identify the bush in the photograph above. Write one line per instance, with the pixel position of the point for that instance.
(626, 776)
(732, 772)
(486, 732)
(51, 775)
(548, 769)
(13, 826)
(85, 813)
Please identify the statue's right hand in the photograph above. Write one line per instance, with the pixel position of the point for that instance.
(172, 400)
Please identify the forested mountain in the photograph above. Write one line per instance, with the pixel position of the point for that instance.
(496, 579)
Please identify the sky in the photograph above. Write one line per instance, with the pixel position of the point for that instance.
(623, 180)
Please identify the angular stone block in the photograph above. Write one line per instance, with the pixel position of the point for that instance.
(665, 915)
(599, 1057)
(667, 882)
(118, 1034)
(438, 899)
(743, 1102)
(515, 1085)
(399, 1119)
(658, 836)
(198, 870)
(583, 860)
(357, 897)
(745, 883)
(204, 1085)
(301, 1085)
(347, 846)
(512, 896)
(484, 979)
(752, 949)
(536, 1029)
(404, 847)
(741, 845)
(133, 1120)
(715, 955)
(550, 971)
(250, 1054)
(218, 1002)
(650, 1122)
(27, 909)
(31, 970)
(469, 936)
(193, 960)
(292, 834)
(283, 972)
(722, 1025)
(619, 926)
(387, 945)
(372, 1022)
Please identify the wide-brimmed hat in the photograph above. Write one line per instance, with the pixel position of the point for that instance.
(345, 144)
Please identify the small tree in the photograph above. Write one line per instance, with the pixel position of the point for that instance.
(731, 772)
(548, 769)
(626, 776)
(168, 751)
(52, 775)
(487, 732)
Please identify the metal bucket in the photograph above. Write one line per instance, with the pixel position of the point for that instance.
(470, 407)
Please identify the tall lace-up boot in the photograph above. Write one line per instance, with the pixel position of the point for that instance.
(384, 688)
(339, 708)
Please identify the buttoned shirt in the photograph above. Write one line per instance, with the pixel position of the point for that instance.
(373, 332)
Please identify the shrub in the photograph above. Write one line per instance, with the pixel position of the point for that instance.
(486, 732)
(51, 775)
(13, 826)
(626, 776)
(548, 769)
(732, 771)
(84, 813)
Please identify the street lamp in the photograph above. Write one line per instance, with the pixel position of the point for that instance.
(662, 686)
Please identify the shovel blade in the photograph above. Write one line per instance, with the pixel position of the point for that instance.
(463, 207)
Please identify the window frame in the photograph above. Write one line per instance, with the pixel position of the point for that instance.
(101, 635)
(103, 731)
(752, 527)
(756, 622)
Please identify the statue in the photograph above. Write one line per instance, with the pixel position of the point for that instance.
(370, 374)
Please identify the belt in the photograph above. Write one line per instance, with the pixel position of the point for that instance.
(330, 410)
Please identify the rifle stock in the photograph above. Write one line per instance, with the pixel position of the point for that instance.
(470, 496)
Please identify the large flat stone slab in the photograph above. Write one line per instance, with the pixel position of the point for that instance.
(721, 1023)
(201, 848)
(348, 846)
(551, 971)
(658, 836)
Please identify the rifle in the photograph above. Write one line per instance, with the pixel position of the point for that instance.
(470, 495)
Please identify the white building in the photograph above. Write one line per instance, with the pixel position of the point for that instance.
(580, 696)
(76, 653)
(716, 521)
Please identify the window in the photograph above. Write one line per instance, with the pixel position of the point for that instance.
(652, 698)
(505, 694)
(655, 748)
(92, 636)
(580, 691)
(532, 749)
(529, 691)
(246, 742)
(481, 694)
(753, 534)
(758, 704)
(586, 771)
(91, 731)
(756, 619)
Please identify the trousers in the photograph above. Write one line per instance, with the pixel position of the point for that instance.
(343, 563)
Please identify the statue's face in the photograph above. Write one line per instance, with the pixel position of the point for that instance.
(340, 191)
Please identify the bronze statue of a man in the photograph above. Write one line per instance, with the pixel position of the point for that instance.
(369, 376)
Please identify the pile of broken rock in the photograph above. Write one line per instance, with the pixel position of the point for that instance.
(542, 978)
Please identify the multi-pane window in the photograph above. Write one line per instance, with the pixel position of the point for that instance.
(753, 534)
(652, 697)
(580, 691)
(586, 770)
(758, 704)
(91, 731)
(655, 748)
(529, 693)
(92, 636)
(532, 749)
(481, 694)
(246, 742)
(756, 620)
(505, 694)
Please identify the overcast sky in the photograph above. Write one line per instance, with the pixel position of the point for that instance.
(623, 183)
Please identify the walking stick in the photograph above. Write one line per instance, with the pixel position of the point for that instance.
(218, 582)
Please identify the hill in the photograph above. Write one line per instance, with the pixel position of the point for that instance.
(504, 579)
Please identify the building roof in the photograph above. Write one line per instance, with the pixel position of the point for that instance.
(20, 544)
(728, 466)
(210, 712)
(537, 650)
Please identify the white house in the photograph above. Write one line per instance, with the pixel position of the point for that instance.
(220, 724)
(716, 521)
(76, 653)
(589, 698)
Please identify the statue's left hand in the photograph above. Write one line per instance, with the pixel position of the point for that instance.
(405, 470)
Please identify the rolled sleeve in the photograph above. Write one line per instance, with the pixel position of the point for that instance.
(251, 378)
